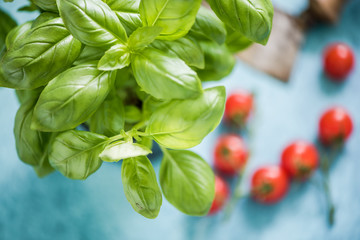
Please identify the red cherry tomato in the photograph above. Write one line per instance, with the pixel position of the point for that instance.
(269, 184)
(230, 155)
(238, 108)
(338, 61)
(222, 194)
(299, 160)
(335, 126)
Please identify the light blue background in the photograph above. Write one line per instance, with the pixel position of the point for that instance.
(58, 208)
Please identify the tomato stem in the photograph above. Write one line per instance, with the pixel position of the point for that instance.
(237, 194)
(326, 162)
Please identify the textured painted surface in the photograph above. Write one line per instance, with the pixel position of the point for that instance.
(58, 208)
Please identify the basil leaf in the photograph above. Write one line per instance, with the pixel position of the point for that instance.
(89, 54)
(6, 24)
(46, 51)
(142, 37)
(186, 48)
(28, 95)
(174, 16)
(29, 8)
(47, 5)
(150, 104)
(235, 41)
(146, 141)
(75, 153)
(253, 18)
(128, 13)
(117, 151)
(117, 57)
(43, 18)
(30, 144)
(208, 26)
(159, 74)
(17, 33)
(219, 61)
(44, 168)
(71, 98)
(109, 119)
(182, 124)
(187, 182)
(92, 22)
(132, 114)
(141, 187)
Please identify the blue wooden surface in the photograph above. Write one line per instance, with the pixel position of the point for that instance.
(58, 208)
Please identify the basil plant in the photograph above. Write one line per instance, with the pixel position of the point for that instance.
(131, 71)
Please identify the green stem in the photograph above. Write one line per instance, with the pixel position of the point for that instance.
(142, 134)
(236, 196)
(140, 125)
(238, 193)
(326, 162)
(329, 202)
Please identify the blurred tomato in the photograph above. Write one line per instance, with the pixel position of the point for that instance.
(231, 154)
(238, 108)
(338, 61)
(269, 184)
(222, 194)
(335, 126)
(299, 160)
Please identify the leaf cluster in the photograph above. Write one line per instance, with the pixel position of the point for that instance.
(132, 72)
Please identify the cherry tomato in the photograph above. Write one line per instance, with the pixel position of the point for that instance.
(222, 194)
(269, 184)
(299, 160)
(338, 61)
(335, 126)
(230, 154)
(238, 108)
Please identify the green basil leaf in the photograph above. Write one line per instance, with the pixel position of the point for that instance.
(46, 51)
(71, 98)
(75, 153)
(28, 95)
(159, 74)
(219, 61)
(208, 26)
(142, 37)
(132, 114)
(117, 151)
(47, 5)
(150, 104)
(29, 8)
(146, 141)
(17, 33)
(43, 18)
(235, 41)
(92, 22)
(109, 119)
(6, 24)
(187, 182)
(128, 13)
(44, 168)
(186, 48)
(141, 187)
(30, 144)
(89, 54)
(253, 18)
(182, 124)
(174, 16)
(117, 57)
